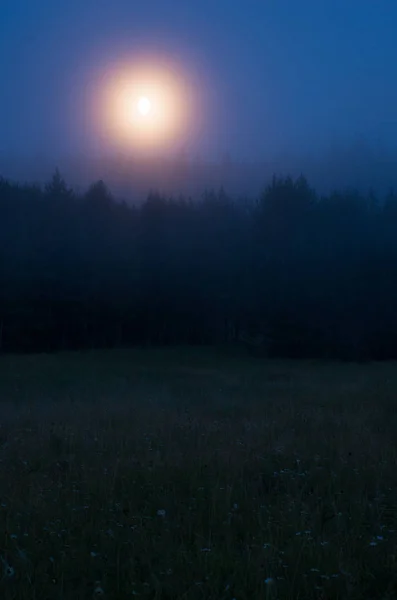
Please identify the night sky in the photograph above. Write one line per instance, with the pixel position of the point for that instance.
(270, 76)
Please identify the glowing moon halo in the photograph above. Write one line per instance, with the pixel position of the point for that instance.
(147, 105)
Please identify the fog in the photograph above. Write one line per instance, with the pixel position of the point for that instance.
(272, 87)
(359, 166)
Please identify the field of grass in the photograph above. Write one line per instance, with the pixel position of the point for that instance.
(193, 475)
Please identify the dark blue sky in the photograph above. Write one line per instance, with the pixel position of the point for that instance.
(272, 75)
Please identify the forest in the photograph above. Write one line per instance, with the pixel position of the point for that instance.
(290, 274)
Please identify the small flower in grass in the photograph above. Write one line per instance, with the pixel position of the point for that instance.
(269, 581)
(161, 512)
(378, 538)
(9, 571)
(306, 532)
(98, 591)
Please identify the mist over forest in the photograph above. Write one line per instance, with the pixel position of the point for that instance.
(291, 273)
(359, 164)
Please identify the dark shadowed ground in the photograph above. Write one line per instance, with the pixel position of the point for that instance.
(191, 474)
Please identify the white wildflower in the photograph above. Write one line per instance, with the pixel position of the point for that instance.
(98, 591)
(161, 512)
(9, 571)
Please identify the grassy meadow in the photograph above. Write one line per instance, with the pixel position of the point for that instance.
(196, 474)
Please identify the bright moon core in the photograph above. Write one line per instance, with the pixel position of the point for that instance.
(144, 106)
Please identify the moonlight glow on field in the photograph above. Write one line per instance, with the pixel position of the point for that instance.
(146, 105)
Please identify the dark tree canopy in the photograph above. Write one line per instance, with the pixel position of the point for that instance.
(291, 275)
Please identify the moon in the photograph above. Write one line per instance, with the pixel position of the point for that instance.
(148, 105)
(144, 106)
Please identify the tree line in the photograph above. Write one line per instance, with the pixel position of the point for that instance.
(292, 274)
